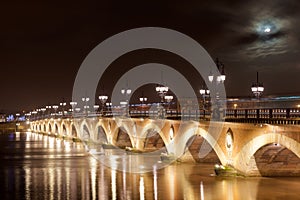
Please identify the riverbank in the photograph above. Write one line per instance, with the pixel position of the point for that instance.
(8, 127)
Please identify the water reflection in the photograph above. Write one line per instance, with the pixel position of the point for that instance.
(34, 166)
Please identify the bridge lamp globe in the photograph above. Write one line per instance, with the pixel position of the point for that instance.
(73, 104)
(257, 88)
(85, 99)
(126, 91)
(169, 98)
(202, 91)
(142, 99)
(211, 77)
(103, 98)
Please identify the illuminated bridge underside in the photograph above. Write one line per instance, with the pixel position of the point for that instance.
(255, 150)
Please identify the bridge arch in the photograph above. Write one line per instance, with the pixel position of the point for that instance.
(183, 140)
(73, 132)
(122, 138)
(153, 132)
(275, 159)
(153, 141)
(244, 159)
(63, 129)
(85, 132)
(56, 128)
(49, 128)
(101, 135)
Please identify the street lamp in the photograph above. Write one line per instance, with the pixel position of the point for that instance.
(55, 109)
(162, 91)
(73, 105)
(168, 99)
(143, 100)
(126, 92)
(86, 107)
(257, 88)
(109, 105)
(43, 110)
(96, 107)
(204, 93)
(49, 110)
(63, 104)
(103, 99)
(220, 78)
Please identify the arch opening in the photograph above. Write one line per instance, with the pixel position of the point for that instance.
(274, 159)
(101, 136)
(56, 128)
(50, 128)
(64, 130)
(122, 139)
(194, 144)
(153, 141)
(74, 131)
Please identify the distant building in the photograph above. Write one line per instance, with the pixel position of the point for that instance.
(2, 117)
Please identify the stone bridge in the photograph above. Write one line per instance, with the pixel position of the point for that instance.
(253, 149)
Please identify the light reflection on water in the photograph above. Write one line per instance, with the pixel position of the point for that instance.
(34, 166)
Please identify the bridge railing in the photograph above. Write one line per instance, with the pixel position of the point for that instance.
(265, 115)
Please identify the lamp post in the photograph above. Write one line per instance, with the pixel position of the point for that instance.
(168, 99)
(96, 107)
(49, 110)
(127, 93)
(63, 104)
(257, 88)
(73, 105)
(34, 114)
(55, 107)
(43, 110)
(109, 105)
(143, 100)
(162, 91)
(204, 93)
(220, 78)
(103, 99)
(86, 107)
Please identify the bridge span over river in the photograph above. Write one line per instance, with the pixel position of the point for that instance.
(255, 149)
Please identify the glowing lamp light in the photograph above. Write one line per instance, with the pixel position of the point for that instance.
(169, 98)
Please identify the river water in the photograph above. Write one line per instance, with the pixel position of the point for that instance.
(35, 166)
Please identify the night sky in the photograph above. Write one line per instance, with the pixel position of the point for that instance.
(43, 43)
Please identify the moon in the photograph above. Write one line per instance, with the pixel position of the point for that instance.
(267, 30)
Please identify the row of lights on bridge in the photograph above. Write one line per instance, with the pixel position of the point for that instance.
(257, 89)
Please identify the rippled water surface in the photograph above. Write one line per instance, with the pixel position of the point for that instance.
(34, 166)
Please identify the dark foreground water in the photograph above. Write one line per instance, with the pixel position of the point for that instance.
(34, 166)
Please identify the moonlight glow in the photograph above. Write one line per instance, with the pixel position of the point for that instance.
(266, 27)
(267, 30)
